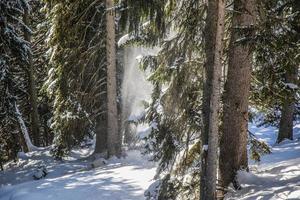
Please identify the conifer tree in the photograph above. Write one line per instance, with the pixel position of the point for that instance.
(83, 84)
(77, 81)
(174, 112)
(234, 138)
(113, 132)
(291, 80)
(40, 25)
(34, 116)
(215, 23)
(275, 87)
(14, 59)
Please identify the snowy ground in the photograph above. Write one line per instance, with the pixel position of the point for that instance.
(120, 179)
(277, 176)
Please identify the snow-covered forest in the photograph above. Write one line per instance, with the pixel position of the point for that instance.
(149, 99)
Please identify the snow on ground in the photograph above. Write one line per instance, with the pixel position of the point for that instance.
(277, 176)
(120, 179)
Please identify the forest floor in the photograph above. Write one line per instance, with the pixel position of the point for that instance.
(277, 175)
(74, 178)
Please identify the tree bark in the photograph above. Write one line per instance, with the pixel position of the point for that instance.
(288, 108)
(209, 47)
(286, 121)
(113, 138)
(214, 47)
(101, 136)
(34, 116)
(291, 76)
(233, 143)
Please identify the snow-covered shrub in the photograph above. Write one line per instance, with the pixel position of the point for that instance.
(22, 155)
(40, 172)
(98, 162)
(164, 189)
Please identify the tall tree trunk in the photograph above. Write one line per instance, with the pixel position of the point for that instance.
(113, 138)
(291, 76)
(101, 136)
(286, 120)
(233, 144)
(214, 48)
(209, 47)
(32, 90)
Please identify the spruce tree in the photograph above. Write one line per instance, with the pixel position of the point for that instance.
(215, 23)
(34, 116)
(77, 77)
(14, 59)
(291, 80)
(275, 87)
(113, 132)
(174, 112)
(234, 137)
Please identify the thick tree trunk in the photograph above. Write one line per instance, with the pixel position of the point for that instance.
(113, 137)
(34, 116)
(233, 144)
(291, 76)
(101, 136)
(214, 48)
(288, 108)
(286, 121)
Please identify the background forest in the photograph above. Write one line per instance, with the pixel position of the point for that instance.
(72, 77)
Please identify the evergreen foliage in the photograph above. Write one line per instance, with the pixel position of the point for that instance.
(257, 148)
(276, 53)
(176, 73)
(67, 58)
(77, 43)
(14, 55)
(40, 63)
